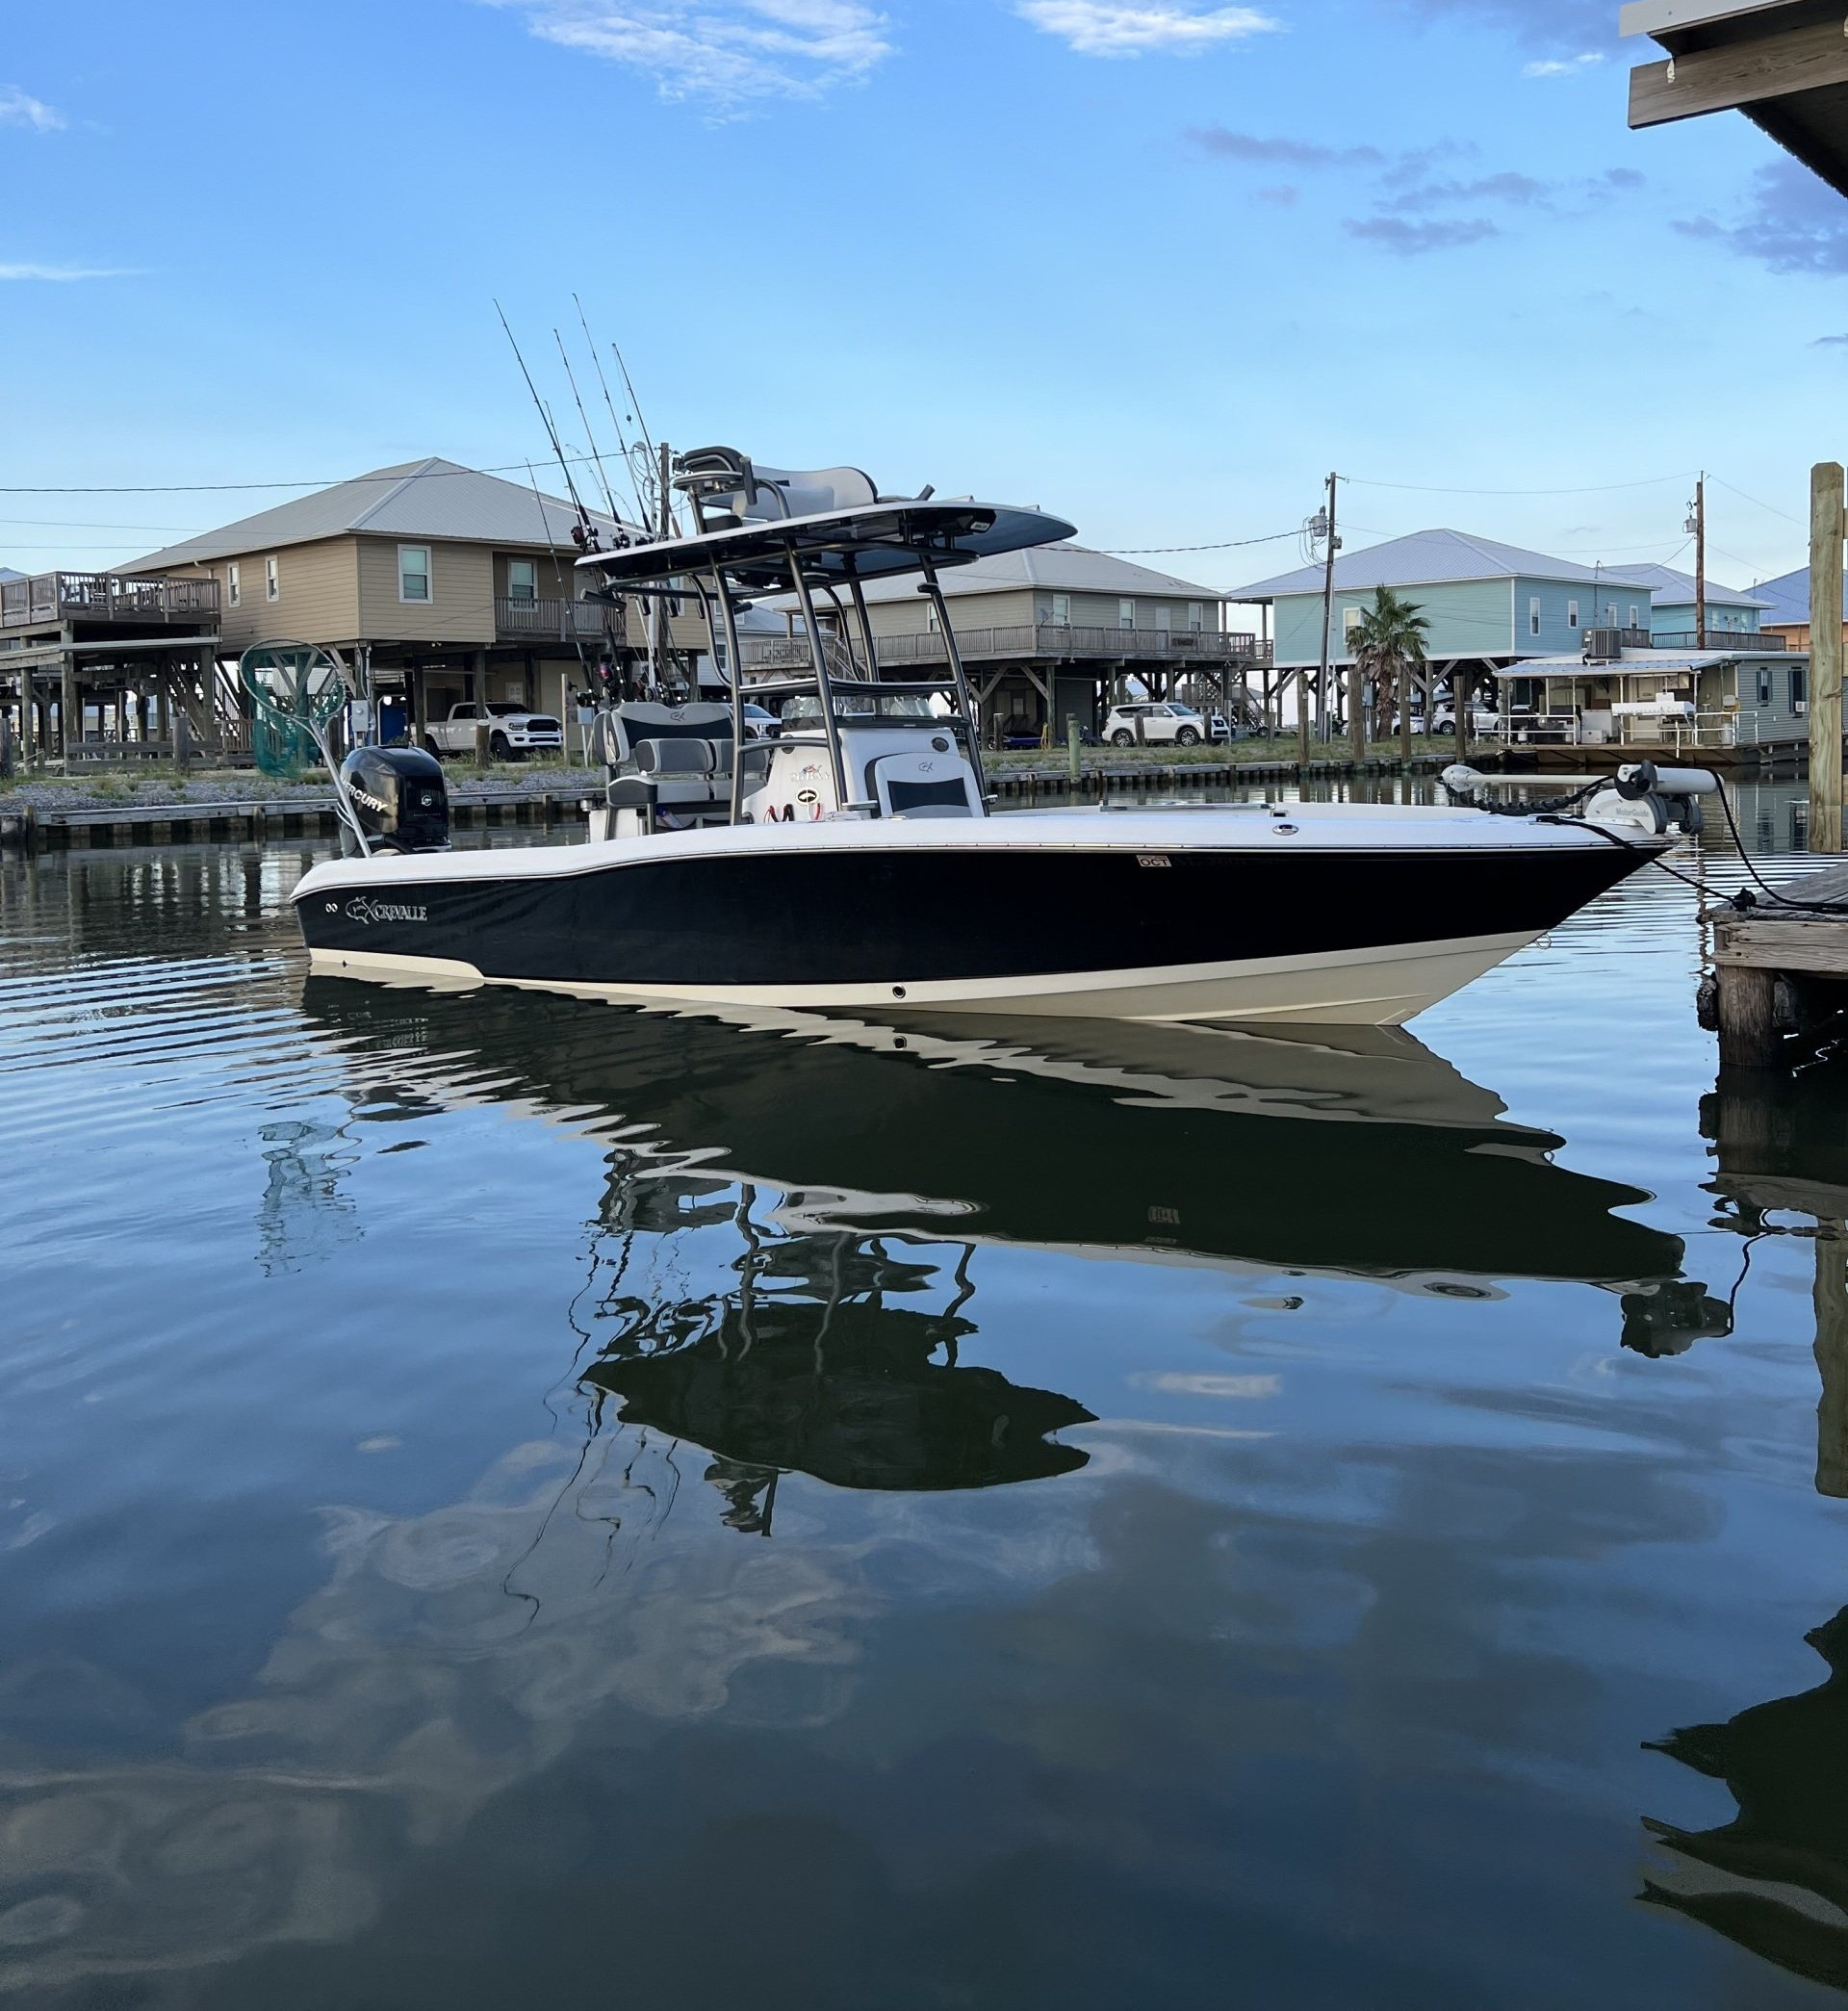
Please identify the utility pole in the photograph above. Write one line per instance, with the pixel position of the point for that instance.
(1327, 624)
(1826, 534)
(1697, 524)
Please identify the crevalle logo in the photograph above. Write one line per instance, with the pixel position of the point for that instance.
(366, 911)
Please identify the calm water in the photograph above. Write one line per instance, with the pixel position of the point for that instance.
(510, 1501)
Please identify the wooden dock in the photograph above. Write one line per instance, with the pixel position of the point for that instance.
(1781, 975)
(276, 818)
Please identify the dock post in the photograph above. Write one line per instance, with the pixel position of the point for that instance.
(1830, 1301)
(1747, 1016)
(1071, 749)
(1826, 531)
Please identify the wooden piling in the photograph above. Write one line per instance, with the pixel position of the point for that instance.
(1826, 534)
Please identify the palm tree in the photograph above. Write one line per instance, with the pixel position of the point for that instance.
(1387, 645)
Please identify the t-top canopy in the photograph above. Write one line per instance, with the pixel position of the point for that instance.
(867, 542)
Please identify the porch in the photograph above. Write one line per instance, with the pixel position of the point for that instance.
(49, 600)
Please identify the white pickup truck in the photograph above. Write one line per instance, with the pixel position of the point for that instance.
(512, 732)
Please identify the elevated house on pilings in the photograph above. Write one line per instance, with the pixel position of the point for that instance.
(435, 584)
(88, 659)
(1054, 634)
(1489, 606)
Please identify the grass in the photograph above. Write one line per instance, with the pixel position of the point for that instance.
(1239, 752)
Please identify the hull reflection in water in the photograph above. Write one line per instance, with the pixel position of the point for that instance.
(1358, 1155)
(1774, 1879)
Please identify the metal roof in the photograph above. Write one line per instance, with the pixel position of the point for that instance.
(7, 573)
(1064, 568)
(1435, 558)
(1648, 661)
(1788, 598)
(429, 499)
(1675, 589)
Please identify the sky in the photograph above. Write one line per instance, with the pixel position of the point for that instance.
(1156, 265)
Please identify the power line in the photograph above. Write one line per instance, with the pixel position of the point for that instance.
(220, 488)
(1756, 504)
(1587, 489)
(1229, 545)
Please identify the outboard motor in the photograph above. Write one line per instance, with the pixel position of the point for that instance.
(398, 796)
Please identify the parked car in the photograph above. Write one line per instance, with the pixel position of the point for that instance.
(512, 731)
(1163, 725)
(1483, 719)
(760, 723)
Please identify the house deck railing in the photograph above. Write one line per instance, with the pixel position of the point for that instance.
(1037, 640)
(552, 620)
(1746, 641)
(48, 598)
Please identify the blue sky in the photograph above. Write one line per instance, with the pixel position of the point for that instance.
(1158, 265)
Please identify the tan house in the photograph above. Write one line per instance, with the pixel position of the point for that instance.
(447, 584)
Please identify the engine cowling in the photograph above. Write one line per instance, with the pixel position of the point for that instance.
(399, 798)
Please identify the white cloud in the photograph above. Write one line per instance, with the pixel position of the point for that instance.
(62, 273)
(1564, 66)
(728, 51)
(16, 109)
(1106, 27)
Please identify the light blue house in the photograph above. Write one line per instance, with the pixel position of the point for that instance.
(1787, 606)
(1675, 624)
(1488, 605)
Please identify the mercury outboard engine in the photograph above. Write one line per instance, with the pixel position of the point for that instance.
(398, 796)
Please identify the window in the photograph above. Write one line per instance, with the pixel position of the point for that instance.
(1764, 683)
(1062, 611)
(234, 584)
(1634, 622)
(1572, 614)
(1534, 617)
(413, 571)
(1350, 620)
(273, 579)
(523, 581)
(1125, 614)
(1196, 616)
(1798, 688)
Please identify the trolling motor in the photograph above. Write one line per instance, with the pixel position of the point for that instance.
(399, 801)
(1640, 797)
(1654, 798)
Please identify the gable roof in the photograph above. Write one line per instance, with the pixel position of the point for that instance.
(429, 499)
(1066, 568)
(1674, 589)
(7, 573)
(1786, 597)
(1435, 558)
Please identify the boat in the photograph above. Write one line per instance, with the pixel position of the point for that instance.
(855, 862)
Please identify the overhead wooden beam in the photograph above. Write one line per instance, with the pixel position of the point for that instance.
(1739, 75)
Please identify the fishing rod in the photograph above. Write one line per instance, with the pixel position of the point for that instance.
(585, 528)
(641, 419)
(609, 494)
(621, 439)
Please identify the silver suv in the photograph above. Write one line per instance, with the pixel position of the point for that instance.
(1163, 725)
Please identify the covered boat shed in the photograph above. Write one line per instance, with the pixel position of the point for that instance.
(1782, 63)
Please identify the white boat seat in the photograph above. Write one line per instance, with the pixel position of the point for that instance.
(628, 725)
(686, 757)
